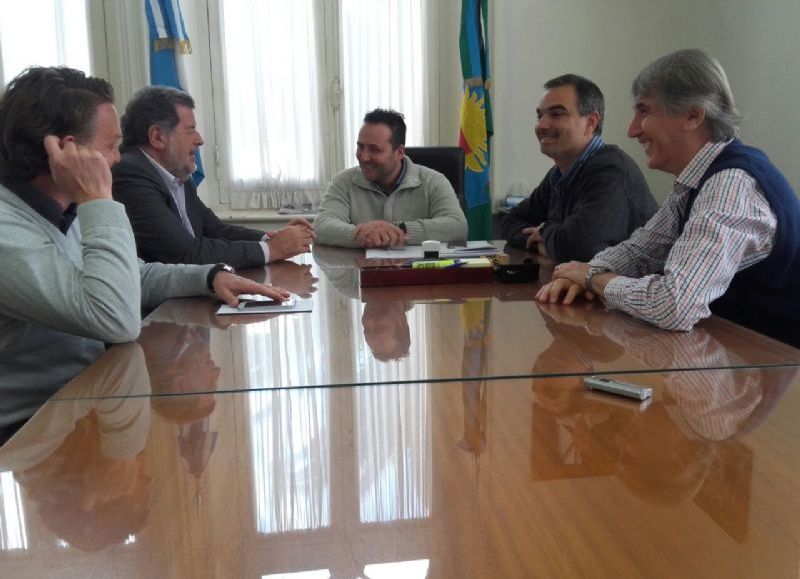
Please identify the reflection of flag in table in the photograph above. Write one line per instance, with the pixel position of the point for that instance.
(476, 116)
(168, 43)
(475, 319)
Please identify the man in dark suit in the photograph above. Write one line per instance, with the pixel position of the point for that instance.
(153, 181)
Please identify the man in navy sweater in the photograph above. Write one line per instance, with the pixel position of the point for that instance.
(727, 239)
(594, 196)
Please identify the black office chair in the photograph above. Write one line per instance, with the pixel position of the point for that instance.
(449, 161)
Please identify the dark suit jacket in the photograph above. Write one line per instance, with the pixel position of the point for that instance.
(160, 234)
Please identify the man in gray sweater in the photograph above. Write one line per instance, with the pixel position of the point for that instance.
(72, 281)
(388, 200)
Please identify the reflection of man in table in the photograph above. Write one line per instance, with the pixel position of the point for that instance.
(570, 433)
(81, 459)
(386, 329)
(665, 453)
(176, 344)
(388, 200)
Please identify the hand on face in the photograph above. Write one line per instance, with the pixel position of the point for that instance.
(80, 171)
(379, 234)
(229, 285)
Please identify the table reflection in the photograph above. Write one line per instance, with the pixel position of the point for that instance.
(683, 445)
(289, 274)
(80, 462)
(176, 346)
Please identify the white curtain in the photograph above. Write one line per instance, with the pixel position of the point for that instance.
(273, 129)
(43, 33)
(385, 64)
(286, 130)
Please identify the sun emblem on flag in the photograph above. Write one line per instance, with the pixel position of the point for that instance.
(473, 132)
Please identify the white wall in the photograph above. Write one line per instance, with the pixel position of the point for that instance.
(609, 41)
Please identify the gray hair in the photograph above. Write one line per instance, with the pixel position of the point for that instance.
(690, 78)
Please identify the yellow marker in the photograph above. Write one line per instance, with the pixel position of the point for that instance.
(435, 264)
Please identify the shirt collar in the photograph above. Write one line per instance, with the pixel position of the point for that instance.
(697, 167)
(400, 178)
(559, 180)
(45, 206)
(170, 179)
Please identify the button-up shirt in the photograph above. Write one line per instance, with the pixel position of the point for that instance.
(669, 279)
(177, 191)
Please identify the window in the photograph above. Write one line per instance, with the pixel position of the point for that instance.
(298, 77)
(43, 33)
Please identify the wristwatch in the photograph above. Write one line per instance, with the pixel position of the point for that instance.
(212, 273)
(402, 226)
(593, 271)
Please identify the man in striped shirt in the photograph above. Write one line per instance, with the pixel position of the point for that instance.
(726, 240)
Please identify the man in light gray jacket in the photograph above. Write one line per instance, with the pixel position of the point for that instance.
(72, 281)
(388, 200)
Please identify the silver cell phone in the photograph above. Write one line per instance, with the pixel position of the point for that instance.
(616, 387)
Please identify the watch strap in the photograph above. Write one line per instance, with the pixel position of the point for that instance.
(593, 271)
(212, 273)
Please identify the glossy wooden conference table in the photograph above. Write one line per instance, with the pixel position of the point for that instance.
(419, 333)
(459, 479)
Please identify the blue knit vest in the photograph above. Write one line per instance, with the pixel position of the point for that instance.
(766, 295)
